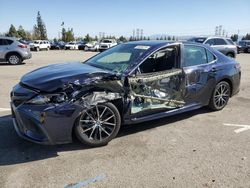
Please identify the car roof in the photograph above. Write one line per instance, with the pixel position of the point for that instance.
(11, 38)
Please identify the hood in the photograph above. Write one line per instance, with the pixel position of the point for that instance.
(55, 77)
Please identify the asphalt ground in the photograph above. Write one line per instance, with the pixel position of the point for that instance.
(195, 149)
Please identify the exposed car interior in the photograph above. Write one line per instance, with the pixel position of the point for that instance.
(162, 60)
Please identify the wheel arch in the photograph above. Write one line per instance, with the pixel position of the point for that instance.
(12, 52)
(229, 81)
(117, 102)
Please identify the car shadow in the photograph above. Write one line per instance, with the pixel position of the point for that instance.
(14, 150)
(7, 64)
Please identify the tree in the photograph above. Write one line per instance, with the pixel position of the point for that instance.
(122, 38)
(148, 38)
(161, 38)
(234, 37)
(165, 38)
(29, 35)
(21, 32)
(173, 38)
(87, 38)
(144, 38)
(41, 28)
(12, 31)
(169, 38)
(63, 34)
(69, 35)
(247, 37)
(36, 34)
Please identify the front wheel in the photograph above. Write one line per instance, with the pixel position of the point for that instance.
(98, 125)
(14, 59)
(220, 96)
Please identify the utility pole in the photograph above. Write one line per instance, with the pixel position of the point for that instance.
(216, 30)
(137, 34)
(220, 28)
(141, 34)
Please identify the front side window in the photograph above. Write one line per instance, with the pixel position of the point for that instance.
(210, 42)
(2, 42)
(162, 60)
(194, 55)
(220, 42)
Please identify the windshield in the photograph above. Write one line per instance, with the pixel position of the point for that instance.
(106, 41)
(118, 58)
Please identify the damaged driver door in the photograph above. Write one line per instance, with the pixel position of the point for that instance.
(158, 84)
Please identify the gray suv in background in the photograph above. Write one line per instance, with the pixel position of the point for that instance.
(13, 51)
(224, 45)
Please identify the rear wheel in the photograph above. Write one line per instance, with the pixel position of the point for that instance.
(14, 59)
(230, 55)
(220, 96)
(248, 50)
(98, 125)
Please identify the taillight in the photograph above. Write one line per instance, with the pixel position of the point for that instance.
(237, 66)
(22, 46)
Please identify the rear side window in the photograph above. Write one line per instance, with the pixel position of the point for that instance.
(220, 42)
(9, 42)
(194, 55)
(230, 41)
(210, 57)
(5, 42)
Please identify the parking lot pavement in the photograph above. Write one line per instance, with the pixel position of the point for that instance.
(196, 149)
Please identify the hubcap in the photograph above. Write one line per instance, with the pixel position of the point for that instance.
(97, 123)
(221, 95)
(14, 59)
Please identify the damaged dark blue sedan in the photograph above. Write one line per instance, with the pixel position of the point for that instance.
(129, 83)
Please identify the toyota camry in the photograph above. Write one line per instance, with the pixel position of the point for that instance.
(130, 83)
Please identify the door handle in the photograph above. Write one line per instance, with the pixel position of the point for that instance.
(213, 69)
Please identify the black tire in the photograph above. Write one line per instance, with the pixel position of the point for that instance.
(230, 55)
(248, 50)
(14, 59)
(220, 96)
(98, 125)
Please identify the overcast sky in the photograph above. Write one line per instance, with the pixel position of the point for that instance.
(120, 17)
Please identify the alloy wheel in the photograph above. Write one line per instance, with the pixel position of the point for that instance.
(221, 95)
(98, 123)
(14, 59)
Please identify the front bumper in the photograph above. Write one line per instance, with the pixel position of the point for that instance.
(43, 124)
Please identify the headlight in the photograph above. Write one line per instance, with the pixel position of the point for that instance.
(50, 98)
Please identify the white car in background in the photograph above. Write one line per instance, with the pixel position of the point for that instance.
(92, 46)
(71, 46)
(38, 45)
(106, 44)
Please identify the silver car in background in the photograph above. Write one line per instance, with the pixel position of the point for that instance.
(224, 45)
(13, 51)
